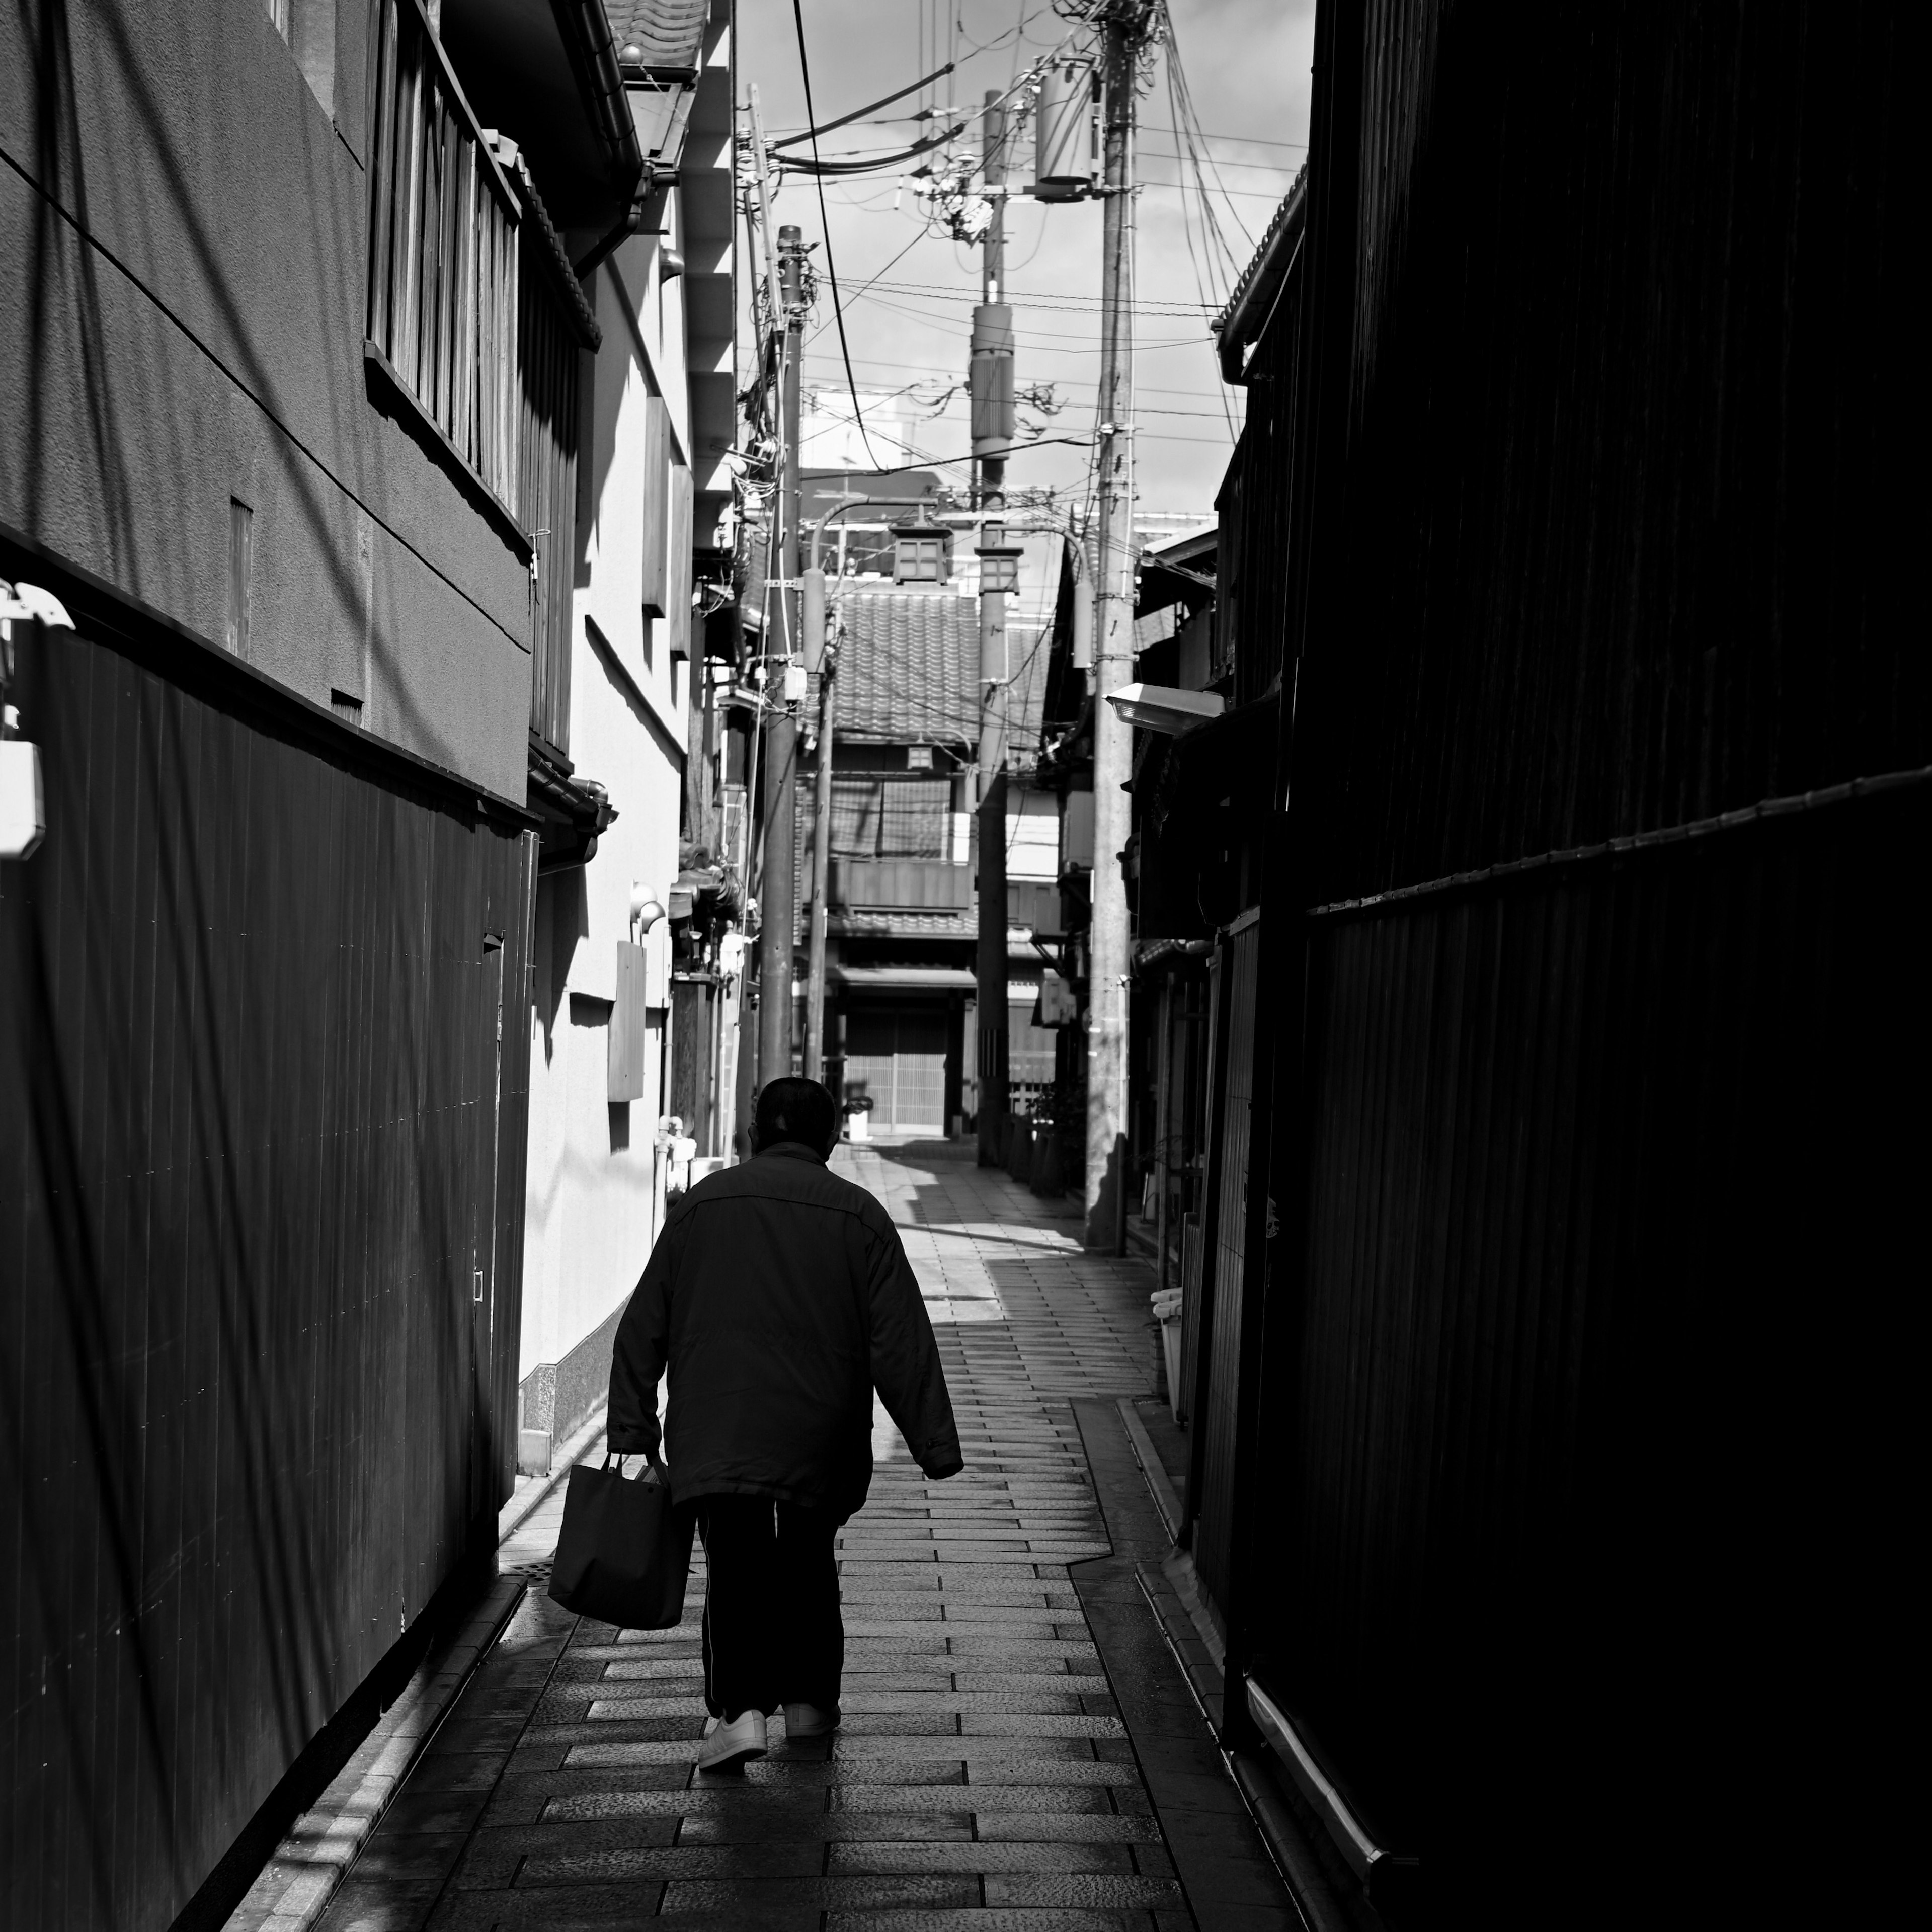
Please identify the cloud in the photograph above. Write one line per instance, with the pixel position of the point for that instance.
(1246, 63)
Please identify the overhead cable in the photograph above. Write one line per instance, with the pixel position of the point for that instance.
(825, 228)
(811, 134)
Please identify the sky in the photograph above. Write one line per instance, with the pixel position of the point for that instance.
(1246, 65)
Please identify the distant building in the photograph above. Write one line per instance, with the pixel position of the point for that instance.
(902, 999)
(377, 703)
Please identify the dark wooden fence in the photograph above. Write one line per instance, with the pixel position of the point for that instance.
(262, 1095)
(1567, 1489)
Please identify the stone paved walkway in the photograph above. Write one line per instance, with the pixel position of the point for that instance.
(982, 1778)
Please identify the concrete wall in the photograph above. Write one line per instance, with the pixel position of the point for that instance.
(182, 324)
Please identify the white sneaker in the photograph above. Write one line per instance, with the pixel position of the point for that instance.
(808, 1721)
(727, 1746)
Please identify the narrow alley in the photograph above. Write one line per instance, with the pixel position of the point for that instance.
(1020, 1747)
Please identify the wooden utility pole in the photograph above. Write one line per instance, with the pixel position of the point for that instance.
(778, 901)
(1125, 28)
(992, 386)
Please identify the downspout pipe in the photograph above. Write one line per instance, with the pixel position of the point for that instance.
(592, 27)
(599, 47)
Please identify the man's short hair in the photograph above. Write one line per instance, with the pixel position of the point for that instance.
(792, 1109)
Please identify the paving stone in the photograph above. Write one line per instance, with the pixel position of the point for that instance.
(1072, 1920)
(918, 1701)
(1012, 1724)
(982, 1778)
(771, 1858)
(828, 1893)
(1023, 1826)
(606, 1709)
(982, 1799)
(954, 1823)
(629, 1670)
(980, 1856)
(1081, 1888)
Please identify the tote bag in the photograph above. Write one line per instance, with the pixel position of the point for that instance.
(624, 1552)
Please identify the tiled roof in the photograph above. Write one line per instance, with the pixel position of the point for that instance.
(909, 673)
(1251, 305)
(661, 36)
(909, 670)
(902, 922)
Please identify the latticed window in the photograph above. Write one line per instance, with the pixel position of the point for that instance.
(890, 818)
(855, 817)
(443, 252)
(912, 819)
(546, 501)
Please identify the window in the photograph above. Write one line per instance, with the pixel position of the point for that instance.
(678, 563)
(900, 818)
(654, 538)
(546, 500)
(442, 252)
(309, 28)
(1033, 835)
(241, 575)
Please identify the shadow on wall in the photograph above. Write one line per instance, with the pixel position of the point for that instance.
(81, 412)
(562, 920)
(238, 1435)
(1104, 1218)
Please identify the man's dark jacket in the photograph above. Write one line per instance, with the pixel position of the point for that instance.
(780, 1297)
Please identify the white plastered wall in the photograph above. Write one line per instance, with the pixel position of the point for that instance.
(595, 1192)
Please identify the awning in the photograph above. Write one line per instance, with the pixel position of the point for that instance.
(904, 979)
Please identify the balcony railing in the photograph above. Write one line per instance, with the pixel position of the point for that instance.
(443, 252)
(924, 885)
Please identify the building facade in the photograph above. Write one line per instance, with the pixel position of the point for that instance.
(625, 907)
(1563, 1029)
(309, 419)
(902, 996)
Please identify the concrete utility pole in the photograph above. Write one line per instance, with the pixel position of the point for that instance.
(778, 901)
(819, 657)
(992, 385)
(1125, 27)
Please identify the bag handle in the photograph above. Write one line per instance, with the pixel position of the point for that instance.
(652, 1461)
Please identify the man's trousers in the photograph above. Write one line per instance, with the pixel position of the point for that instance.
(772, 1632)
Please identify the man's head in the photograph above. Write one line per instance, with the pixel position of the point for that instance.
(792, 1109)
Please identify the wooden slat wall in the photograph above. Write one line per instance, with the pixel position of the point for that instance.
(1198, 1283)
(249, 1096)
(1580, 1446)
(1217, 1420)
(1589, 1409)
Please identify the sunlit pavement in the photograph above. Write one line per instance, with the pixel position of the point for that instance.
(984, 1776)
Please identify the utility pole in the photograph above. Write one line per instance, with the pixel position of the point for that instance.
(1125, 29)
(992, 387)
(779, 899)
(820, 657)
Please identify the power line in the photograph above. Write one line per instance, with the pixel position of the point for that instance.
(825, 227)
(1040, 300)
(941, 369)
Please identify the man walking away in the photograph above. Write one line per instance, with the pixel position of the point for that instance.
(780, 1296)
